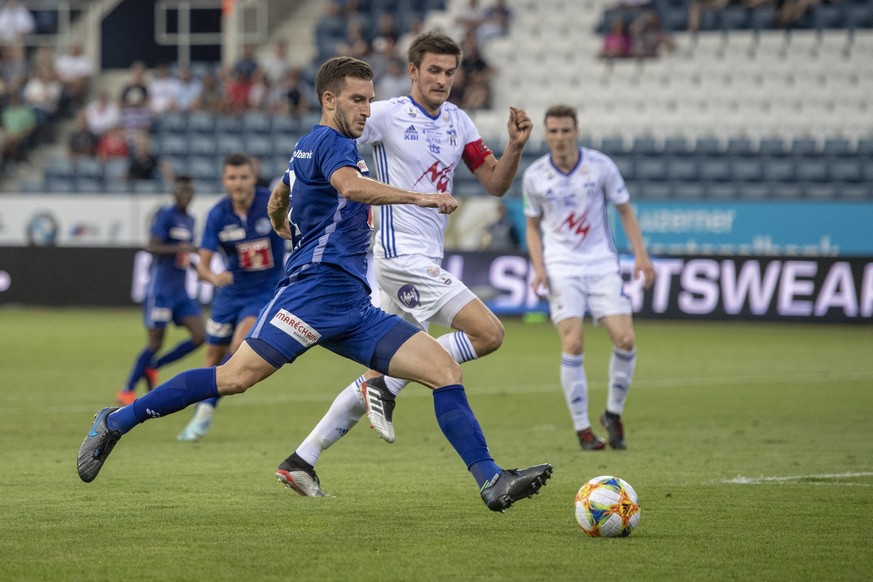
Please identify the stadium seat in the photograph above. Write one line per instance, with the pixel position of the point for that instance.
(707, 146)
(739, 146)
(201, 122)
(625, 165)
(60, 168)
(283, 144)
(260, 146)
(116, 186)
(675, 146)
(820, 191)
(747, 169)
(228, 143)
(115, 169)
(612, 145)
(714, 169)
(779, 169)
(825, 16)
(172, 122)
(644, 146)
(753, 191)
(804, 146)
(656, 190)
(256, 122)
(846, 169)
(227, 124)
(54, 184)
(720, 190)
(147, 187)
(688, 190)
(89, 185)
(836, 146)
(682, 168)
(89, 168)
(651, 169)
(786, 191)
(772, 147)
(201, 144)
(812, 170)
(172, 144)
(861, 191)
(202, 168)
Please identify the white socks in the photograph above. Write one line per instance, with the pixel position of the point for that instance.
(621, 373)
(575, 386)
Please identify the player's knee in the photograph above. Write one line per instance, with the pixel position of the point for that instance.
(489, 339)
(197, 339)
(572, 346)
(445, 373)
(625, 342)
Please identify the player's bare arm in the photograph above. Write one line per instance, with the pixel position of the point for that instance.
(540, 281)
(204, 271)
(358, 188)
(642, 263)
(277, 209)
(495, 175)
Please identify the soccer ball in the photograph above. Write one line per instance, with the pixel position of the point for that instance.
(607, 507)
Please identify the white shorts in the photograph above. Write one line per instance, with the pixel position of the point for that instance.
(599, 295)
(420, 291)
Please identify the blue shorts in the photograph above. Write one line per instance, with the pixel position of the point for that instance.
(228, 310)
(160, 310)
(328, 307)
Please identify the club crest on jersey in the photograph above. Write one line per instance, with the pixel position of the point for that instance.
(408, 296)
(433, 271)
(410, 111)
(410, 134)
(263, 226)
(453, 137)
(295, 327)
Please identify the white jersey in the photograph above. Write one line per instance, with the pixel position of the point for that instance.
(577, 239)
(415, 151)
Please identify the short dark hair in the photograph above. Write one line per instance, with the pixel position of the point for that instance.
(238, 159)
(181, 180)
(332, 74)
(562, 110)
(434, 42)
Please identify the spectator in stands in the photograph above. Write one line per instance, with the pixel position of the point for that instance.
(74, 70)
(276, 63)
(188, 90)
(14, 65)
(355, 43)
(258, 91)
(43, 93)
(211, 93)
(82, 143)
(135, 89)
(648, 37)
(136, 116)
(145, 164)
(416, 27)
(113, 144)
(236, 92)
(386, 28)
(16, 22)
(477, 75)
(383, 53)
(698, 7)
(394, 82)
(162, 90)
(468, 16)
(501, 234)
(496, 22)
(102, 114)
(789, 12)
(293, 98)
(617, 42)
(19, 124)
(246, 64)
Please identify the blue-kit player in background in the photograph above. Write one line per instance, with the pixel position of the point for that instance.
(324, 298)
(171, 243)
(239, 229)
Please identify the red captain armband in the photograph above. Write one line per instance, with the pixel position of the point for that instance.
(475, 153)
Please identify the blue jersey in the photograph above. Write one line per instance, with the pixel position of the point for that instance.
(168, 272)
(333, 230)
(252, 250)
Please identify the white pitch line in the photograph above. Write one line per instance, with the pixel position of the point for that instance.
(798, 478)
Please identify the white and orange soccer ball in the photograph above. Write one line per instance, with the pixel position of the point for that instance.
(607, 507)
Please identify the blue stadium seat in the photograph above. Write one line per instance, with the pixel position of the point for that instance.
(734, 17)
(827, 16)
(689, 190)
(115, 186)
(747, 169)
(681, 168)
(651, 169)
(115, 169)
(772, 147)
(625, 165)
(285, 124)
(812, 170)
(858, 16)
(228, 143)
(657, 190)
(739, 146)
(753, 191)
(203, 168)
(54, 184)
(283, 145)
(707, 146)
(804, 146)
(779, 169)
(845, 169)
(260, 146)
(178, 163)
(60, 168)
(89, 185)
(256, 122)
(227, 124)
(721, 190)
(675, 146)
(172, 122)
(864, 147)
(644, 146)
(820, 191)
(612, 145)
(201, 144)
(762, 17)
(837, 146)
(147, 187)
(786, 191)
(172, 144)
(201, 122)
(860, 191)
(89, 168)
(714, 169)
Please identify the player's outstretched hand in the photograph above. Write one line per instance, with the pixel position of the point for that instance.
(519, 125)
(443, 202)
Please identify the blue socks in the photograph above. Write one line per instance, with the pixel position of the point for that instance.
(171, 396)
(181, 350)
(142, 362)
(462, 430)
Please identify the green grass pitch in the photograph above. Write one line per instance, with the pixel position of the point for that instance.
(750, 445)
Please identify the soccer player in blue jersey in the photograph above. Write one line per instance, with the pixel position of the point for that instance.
(239, 229)
(324, 298)
(170, 244)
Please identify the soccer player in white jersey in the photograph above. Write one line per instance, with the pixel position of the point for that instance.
(576, 265)
(418, 142)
